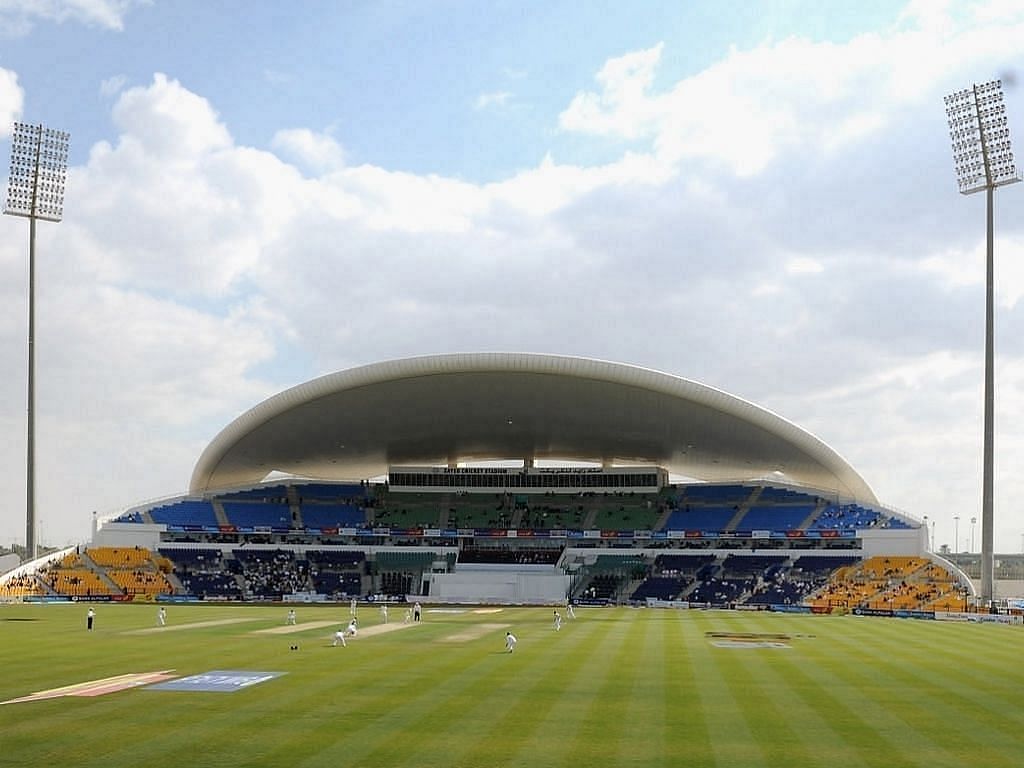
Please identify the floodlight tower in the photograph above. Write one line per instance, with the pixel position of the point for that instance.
(984, 161)
(39, 163)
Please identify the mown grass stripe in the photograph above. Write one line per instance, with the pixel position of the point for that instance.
(688, 729)
(533, 703)
(924, 701)
(831, 730)
(597, 725)
(902, 715)
(617, 687)
(731, 740)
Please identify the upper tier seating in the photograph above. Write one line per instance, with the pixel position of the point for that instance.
(322, 515)
(409, 510)
(187, 512)
(775, 517)
(258, 514)
(330, 492)
(700, 519)
(845, 517)
(709, 493)
(274, 493)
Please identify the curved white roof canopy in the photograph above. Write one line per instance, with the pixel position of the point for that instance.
(441, 409)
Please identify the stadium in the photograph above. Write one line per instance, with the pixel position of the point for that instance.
(513, 559)
(512, 479)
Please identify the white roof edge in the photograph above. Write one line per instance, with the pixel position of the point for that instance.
(525, 362)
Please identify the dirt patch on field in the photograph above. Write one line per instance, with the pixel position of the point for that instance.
(376, 629)
(474, 632)
(191, 625)
(380, 629)
(288, 629)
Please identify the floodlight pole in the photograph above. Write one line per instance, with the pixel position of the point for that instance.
(988, 453)
(35, 190)
(31, 547)
(984, 160)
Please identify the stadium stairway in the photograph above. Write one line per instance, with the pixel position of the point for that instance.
(627, 589)
(446, 506)
(295, 507)
(742, 509)
(219, 513)
(666, 513)
(809, 521)
(175, 582)
(92, 565)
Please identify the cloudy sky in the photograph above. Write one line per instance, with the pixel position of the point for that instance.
(757, 196)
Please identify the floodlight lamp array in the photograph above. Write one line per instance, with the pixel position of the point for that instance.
(982, 152)
(39, 162)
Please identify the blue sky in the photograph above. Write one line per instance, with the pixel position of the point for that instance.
(758, 196)
(461, 89)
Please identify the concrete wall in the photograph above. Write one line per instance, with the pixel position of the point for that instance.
(911, 542)
(496, 584)
(128, 535)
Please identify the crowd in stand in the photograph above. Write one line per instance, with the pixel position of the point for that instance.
(271, 573)
(21, 586)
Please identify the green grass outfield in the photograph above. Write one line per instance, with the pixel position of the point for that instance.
(615, 687)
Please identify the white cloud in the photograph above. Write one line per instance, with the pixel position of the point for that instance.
(837, 280)
(550, 187)
(787, 96)
(804, 265)
(496, 99)
(168, 121)
(113, 85)
(317, 151)
(19, 16)
(958, 269)
(276, 77)
(12, 99)
(623, 107)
